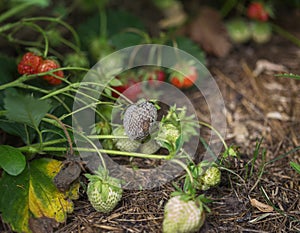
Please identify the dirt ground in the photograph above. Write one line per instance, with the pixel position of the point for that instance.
(262, 106)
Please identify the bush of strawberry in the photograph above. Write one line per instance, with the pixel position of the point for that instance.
(41, 74)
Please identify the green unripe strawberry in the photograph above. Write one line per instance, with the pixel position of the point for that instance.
(76, 59)
(182, 216)
(211, 177)
(261, 32)
(104, 192)
(167, 136)
(125, 144)
(99, 48)
(238, 30)
(54, 37)
(149, 147)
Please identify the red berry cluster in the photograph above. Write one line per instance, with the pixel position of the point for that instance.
(257, 11)
(34, 64)
(132, 86)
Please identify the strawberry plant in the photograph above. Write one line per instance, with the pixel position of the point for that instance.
(37, 93)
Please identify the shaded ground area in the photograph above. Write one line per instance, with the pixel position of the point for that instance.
(265, 107)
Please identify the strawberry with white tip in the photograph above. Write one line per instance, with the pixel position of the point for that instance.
(183, 216)
(104, 192)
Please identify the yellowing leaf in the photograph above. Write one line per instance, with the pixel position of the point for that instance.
(32, 193)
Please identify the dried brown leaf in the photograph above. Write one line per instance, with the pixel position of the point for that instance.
(261, 206)
(208, 30)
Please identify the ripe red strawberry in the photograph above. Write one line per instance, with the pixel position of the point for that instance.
(131, 90)
(256, 10)
(29, 63)
(48, 65)
(156, 75)
(181, 81)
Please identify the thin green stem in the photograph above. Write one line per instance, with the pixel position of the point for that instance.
(107, 137)
(70, 45)
(27, 134)
(103, 23)
(216, 132)
(86, 105)
(59, 21)
(185, 167)
(137, 155)
(8, 26)
(140, 33)
(286, 34)
(40, 137)
(40, 30)
(112, 152)
(59, 91)
(11, 39)
(63, 127)
(17, 82)
(98, 151)
(108, 87)
(29, 87)
(36, 145)
(230, 171)
(14, 11)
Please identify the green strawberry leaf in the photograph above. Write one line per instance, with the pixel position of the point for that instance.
(8, 70)
(117, 20)
(33, 194)
(25, 108)
(26, 133)
(126, 39)
(192, 48)
(11, 160)
(115, 82)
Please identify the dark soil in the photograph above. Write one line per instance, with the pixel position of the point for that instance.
(250, 103)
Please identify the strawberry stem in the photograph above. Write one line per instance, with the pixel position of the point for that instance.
(17, 82)
(216, 132)
(185, 167)
(286, 34)
(59, 21)
(62, 125)
(15, 10)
